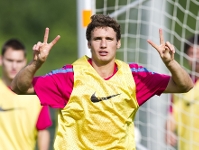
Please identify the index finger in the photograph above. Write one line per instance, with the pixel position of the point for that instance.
(152, 44)
(161, 36)
(46, 35)
(55, 40)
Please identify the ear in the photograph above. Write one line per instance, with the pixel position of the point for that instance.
(89, 45)
(0, 60)
(118, 44)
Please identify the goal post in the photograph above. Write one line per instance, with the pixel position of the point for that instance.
(85, 8)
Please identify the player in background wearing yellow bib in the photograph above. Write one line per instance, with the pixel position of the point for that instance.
(183, 122)
(98, 97)
(22, 118)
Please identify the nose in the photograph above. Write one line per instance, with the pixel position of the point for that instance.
(103, 43)
(14, 65)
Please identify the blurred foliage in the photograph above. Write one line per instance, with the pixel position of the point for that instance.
(27, 20)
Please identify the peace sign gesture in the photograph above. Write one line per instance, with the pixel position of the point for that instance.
(41, 50)
(165, 49)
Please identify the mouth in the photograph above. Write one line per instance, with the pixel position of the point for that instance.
(13, 72)
(103, 53)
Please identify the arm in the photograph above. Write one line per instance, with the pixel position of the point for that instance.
(180, 80)
(170, 136)
(43, 139)
(22, 83)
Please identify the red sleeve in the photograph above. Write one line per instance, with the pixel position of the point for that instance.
(54, 88)
(148, 83)
(44, 120)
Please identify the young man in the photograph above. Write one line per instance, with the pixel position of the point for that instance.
(184, 115)
(22, 118)
(99, 96)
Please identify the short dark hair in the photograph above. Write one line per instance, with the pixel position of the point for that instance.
(100, 20)
(14, 44)
(190, 42)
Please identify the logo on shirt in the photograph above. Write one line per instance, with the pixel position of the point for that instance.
(8, 109)
(190, 103)
(95, 99)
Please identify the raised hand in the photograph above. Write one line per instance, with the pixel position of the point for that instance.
(171, 138)
(165, 49)
(41, 50)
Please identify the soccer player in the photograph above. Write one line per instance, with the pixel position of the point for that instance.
(183, 124)
(98, 97)
(22, 118)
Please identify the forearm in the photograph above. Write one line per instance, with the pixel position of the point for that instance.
(170, 124)
(22, 83)
(170, 135)
(43, 139)
(180, 77)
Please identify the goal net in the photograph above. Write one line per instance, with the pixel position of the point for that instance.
(140, 20)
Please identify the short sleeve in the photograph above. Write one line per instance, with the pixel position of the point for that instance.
(148, 83)
(54, 88)
(44, 120)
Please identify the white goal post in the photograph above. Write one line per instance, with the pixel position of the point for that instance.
(140, 20)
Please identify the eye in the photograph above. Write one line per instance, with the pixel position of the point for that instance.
(19, 61)
(109, 39)
(9, 60)
(97, 39)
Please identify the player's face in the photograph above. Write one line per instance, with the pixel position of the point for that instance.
(12, 62)
(193, 53)
(103, 45)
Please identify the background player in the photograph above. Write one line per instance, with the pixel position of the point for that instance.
(22, 118)
(183, 125)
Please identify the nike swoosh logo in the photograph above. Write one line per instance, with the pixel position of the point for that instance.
(95, 99)
(190, 103)
(9, 109)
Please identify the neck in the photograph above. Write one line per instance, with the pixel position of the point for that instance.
(105, 70)
(6, 81)
(196, 78)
